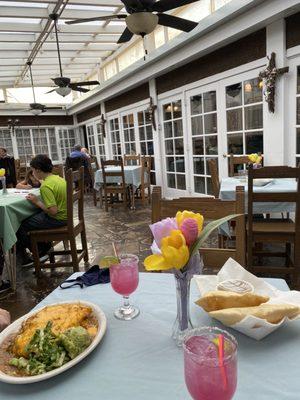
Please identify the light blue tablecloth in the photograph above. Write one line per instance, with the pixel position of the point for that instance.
(138, 360)
(132, 175)
(228, 186)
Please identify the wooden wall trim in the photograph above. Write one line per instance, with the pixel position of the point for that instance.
(89, 113)
(293, 30)
(40, 120)
(139, 93)
(243, 51)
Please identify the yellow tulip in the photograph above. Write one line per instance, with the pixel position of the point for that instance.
(2, 172)
(181, 216)
(174, 253)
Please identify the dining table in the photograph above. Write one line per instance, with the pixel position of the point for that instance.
(14, 208)
(132, 176)
(139, 360)
(228, 187)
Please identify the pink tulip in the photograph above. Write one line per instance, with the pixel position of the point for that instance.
(189, 229)
(162, 229)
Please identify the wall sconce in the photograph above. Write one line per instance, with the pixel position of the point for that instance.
(11, 124)
(248, 87)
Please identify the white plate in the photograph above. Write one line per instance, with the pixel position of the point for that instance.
(15, 327)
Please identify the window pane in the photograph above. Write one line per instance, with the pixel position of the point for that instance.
(178, 146)
(235, 143)
(168, 129)
(211, 145)
(197, 128)
(199, 184)
(181, 182)
(254, 117)
(170, 164)
(234, 120)
(142, 133)
(234, 95)
(209, 187)
(197, 146)
(298, 141)
(254, 142)
(253, 91)
(210, 123)
(196, 104)
(171, 181)
(298, 80)
(178, 131)
(167, 111)
(199, 165)
(141, 118)
(177, 109)
(209, 101)
(298, 110)
(169, 147)
(180, 164)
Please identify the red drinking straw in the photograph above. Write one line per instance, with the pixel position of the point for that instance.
(221, 360)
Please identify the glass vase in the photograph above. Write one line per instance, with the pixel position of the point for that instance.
(3, 182)
(182, 282)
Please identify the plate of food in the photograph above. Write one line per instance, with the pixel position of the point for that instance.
(50, 340)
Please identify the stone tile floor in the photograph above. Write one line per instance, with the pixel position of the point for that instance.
(102, 229)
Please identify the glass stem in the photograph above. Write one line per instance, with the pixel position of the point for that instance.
(126, 302)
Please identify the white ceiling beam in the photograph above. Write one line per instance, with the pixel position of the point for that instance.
(77, 46)
(100, 3)
(63, 38)
(52, 54)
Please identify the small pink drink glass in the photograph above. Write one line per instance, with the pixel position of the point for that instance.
(124, 278)
(205, 377)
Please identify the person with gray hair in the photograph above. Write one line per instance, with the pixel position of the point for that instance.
(77, 153)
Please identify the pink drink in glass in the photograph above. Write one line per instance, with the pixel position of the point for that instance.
(124, 278)
(204, 377)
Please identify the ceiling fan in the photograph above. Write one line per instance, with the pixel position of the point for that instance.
(64, 84)
(37, 108)
(144, 15)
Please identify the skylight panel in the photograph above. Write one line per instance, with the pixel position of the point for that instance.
(91, 8)
(23, 4)
(21, 20)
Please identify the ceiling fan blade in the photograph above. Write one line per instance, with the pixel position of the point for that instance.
(103, 18)
(86, 83)
(175, 22)
(126, 36)
(166, 5)
(50, 91)
(80, 89)
(132, 5)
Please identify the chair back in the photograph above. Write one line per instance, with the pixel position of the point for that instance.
(75, 163)
(145, 170)
(58, 170)
(18, 169)
(277, 172)
(238, 160)
(132, 159)
(211, 209)
(75, 196)
(215, 182)
(119, 172)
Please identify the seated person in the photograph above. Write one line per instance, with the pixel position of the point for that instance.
(3, 152)
(29, 182)
(77, 153)
(51, 209)
(4, 319)
(85, 151)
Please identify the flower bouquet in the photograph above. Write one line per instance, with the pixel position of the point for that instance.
(255, 159)
(176, 246)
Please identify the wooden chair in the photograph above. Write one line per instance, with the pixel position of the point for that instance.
(215, 182)
(114, 188)
(18, 169)
(132, 159)
(273, 230)
(67, 233)
(58, 170)
(145, 178)
(237, 160)
(211, 209)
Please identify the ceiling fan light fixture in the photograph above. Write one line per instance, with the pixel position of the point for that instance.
(141, 22)
(63, 91)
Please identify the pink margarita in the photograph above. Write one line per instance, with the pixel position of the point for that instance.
(205, 378)
(124, 278)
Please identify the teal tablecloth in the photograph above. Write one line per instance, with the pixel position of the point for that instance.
(132, 174)
(138, 360)
(14, 208)
(228, 187)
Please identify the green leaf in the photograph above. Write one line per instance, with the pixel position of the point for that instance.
(208, 229)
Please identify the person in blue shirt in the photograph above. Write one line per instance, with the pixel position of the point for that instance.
(77, 152)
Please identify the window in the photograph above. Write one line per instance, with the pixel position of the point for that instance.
(204, 138)
(40, 141)
(244, 113)
(53, 144)
(298, 118)
(101, 142)
(129, 134)
(67, 141)
(114, 130)
(146, 140)
(5, 140)
(24, 144)
(159, 36)
(91, 140)
(110, 70)
(131, 55)
(174, 146)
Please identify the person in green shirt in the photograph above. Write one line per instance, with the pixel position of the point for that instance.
(51, 207)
